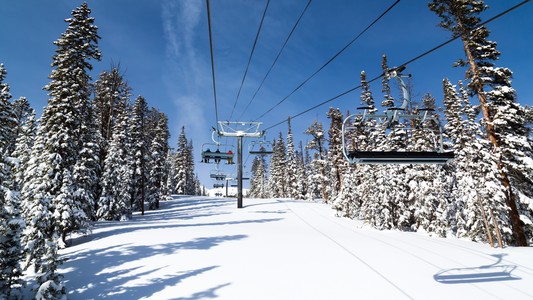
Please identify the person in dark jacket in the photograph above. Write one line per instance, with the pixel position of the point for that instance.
(206, 160)
(217, 161)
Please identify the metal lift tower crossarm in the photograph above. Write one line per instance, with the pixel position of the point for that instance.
(239, 130)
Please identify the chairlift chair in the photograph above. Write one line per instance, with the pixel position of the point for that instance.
(389, 120)
(218, 185)
(260, 148)
(207, 155)
(217, 174)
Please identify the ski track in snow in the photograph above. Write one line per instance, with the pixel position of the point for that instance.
(206, 248)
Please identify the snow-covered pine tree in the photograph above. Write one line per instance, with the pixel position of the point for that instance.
(427, 199)
(172, 168)
(478, 188)
(40, 238)
(335, 156)
(182, 158)
(7, 115)
(23, 145)
(117, 177)
(276, 181)
(254, 182)
(291, 168)
(389, 100)
(190, 169)
(64, 119)
(301, 175)
(197, 186)
(139, 149)
(21, 111)
(319, 163)
(311, 186)
(110, 90)
(11, 224)
(503, 118)
(87, 170)
(158, 150)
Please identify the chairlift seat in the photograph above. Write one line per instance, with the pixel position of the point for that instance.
(257, 152)
(217, 155)
(218, 185)
(395, 157)
(218, 176)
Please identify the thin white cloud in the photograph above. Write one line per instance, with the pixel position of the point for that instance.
(186, 73)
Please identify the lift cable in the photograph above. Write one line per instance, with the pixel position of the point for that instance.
(290, 34)
(329, 61)
(212, 60)
(405, 64)
(249, 59)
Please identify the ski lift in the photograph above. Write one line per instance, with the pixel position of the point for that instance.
(218, 185)
(217, 175)
(246, 176)
(260, 148)
(208, 154)
(389, 120)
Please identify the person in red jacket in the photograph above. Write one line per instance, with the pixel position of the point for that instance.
(230, 160)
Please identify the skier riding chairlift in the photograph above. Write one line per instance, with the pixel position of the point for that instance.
(207, 159)
(230, 160)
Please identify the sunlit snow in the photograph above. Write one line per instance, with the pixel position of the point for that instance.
(206, 248)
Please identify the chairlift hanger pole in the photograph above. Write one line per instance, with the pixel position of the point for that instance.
(240, 130)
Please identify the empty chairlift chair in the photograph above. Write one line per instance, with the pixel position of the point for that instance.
(217, 175)
(260, 148)
(390, 121)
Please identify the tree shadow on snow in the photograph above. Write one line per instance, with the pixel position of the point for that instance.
(133, 226)
(103, 273)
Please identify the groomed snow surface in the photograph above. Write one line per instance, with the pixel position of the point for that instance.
(206, 248)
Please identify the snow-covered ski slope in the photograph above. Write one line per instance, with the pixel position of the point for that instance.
(206, 248)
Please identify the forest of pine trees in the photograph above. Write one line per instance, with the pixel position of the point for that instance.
(483, 195)
(96, 154)
(93, 155)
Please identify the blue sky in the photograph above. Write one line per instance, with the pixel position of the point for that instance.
(164, 48)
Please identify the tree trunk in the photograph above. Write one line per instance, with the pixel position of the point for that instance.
(516, 226)
(487, 228)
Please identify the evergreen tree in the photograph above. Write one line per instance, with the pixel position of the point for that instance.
(335, 155)
(21, 111)
(117, 178)
(139, 149)
(24, 143)
(389, 100)
(64, 120)
(190, 169)
(11, 224)
(158, 150)
(504, 119)
(319, 163)
(258, 179)
(301, 175)
(478, 186)
(182, 158)
(172, 168)
(110, 91)
(276, 181)
(50, 206)
(291, 168)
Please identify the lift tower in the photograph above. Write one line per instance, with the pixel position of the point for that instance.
(239, 130)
